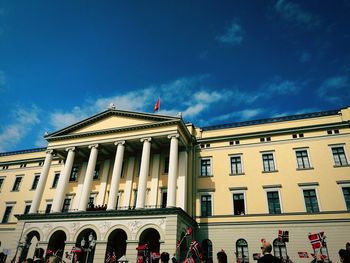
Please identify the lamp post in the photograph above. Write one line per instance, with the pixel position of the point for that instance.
(91, 242)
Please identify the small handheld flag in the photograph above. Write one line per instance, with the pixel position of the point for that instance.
(283, 236)
(303, 254)
(317, 240)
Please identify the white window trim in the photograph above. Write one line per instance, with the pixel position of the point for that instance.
(274, 160)
(278, 190)
(345, 152)
(242, 164)
(245, 200)
(200, 166)
(68, 196)
(308, 156)
(341, 186)
(311, 187)
(212, 202)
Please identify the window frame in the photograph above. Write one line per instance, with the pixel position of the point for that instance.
(55, 180)
(240, 155)
(2, 179)
(76, 173)
(342, 185)
(97, 172)
(210, 166)
(27, 204)
(345, 154)
(245, 258)
(275, 246)
(36, 181)
(3, 221)
(233, 192)
(19, 184)
(166, 162)
(211, 203)
(274, 161)
(274, 189)
(70, 203)
(308, 157)
(313, 187)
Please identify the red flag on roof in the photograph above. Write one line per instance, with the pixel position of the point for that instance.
(157, 105)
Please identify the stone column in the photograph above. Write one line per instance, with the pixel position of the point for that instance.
(173, 163)
(42, 182)
(141, 190)
(83, 202)
(182, 180)
(117, 170)
(63, 181)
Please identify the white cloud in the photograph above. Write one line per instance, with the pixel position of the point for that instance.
(24, 120)
(335, 89)
(242, 115)
(280, 87)
(294, 13)
(232, 36)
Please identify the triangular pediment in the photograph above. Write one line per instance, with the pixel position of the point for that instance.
(112, 119)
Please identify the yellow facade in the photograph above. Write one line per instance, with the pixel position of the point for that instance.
(239, 181)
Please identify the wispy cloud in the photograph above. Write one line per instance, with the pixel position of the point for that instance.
(335, 89)
(242, 115)
(24, 121)
(232, 36)
(294, 13)
(280, 87)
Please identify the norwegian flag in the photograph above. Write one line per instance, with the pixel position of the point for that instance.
(283, 236)
(189, 260)
(195, 249)
(303, 254)
(317, 240)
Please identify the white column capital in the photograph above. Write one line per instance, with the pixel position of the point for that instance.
(175, 135)
(93, 146)
(119, 142)
(49, 151)
(70, 149)
(146, 139)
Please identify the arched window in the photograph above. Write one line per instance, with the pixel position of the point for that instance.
(207, 250)
(279, 249)
(242, 250)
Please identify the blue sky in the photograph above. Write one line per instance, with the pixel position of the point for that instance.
(214, 61)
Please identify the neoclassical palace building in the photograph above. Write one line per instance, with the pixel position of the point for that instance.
(120, 179)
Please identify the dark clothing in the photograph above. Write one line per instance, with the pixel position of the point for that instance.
(268, 258)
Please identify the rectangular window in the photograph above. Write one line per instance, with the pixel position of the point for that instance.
(206, 205)
(339, 156)
(238, 204)
(74, 174)
(17, 183)
(7, 214)
(66, 205)
(26, 209)
(97, 172)
(48, 208)
(35, 182)
(236, 164)
(302, 159)
(346, 192)
(273, 201)
(164, 198)
(311, 203)
(268, 162)
(55, 180)
(2, 179)
(206, 167)
(166, 164)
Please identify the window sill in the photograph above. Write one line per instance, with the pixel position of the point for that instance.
(302, 169)
(72, 181)
(205, 176)
(345, 165)
(274, 171)
(14, 190)
(237, 174)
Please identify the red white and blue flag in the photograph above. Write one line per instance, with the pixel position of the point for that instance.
(283, 236)
(317, 240)
(303, 254)
(195, 249)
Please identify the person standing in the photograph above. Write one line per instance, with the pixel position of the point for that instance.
(221, 257)
(267, 257)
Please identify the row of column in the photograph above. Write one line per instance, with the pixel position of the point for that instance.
(116, 175)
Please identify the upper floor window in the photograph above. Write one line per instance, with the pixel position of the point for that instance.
(303, 161)
(35, 181)
(23, 165)
(164, 198)
(279, 249)
(5, 167)
(48, 208)
(97, 172)
(17, 183)
(242, 250)
(2, 179)
(166, 164)
(55, 180)
(206, 167)
(346, 193)
(236, 164)
(7, 214)
(26, 209)
(268, 162)
(311, 202)
(74, 174)
(339, 156)
(206, 205)
(273, 201)
(66, 205)
(238, 204)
